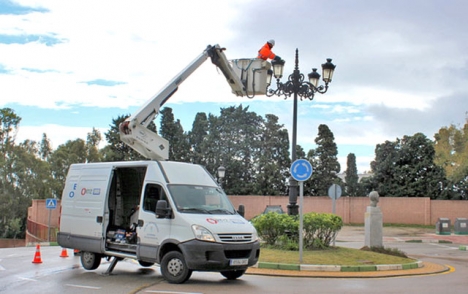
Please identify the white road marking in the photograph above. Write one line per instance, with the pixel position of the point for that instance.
(83, 286)
(26, 279)
(446, 247)
(170, 292)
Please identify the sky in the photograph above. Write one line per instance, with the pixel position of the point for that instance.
(401, 65)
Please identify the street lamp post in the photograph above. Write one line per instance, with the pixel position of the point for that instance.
(297, 87)
(221, 174)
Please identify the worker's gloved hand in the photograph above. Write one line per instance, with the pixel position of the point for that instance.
(277, 58)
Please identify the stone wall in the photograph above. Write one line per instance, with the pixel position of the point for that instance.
(10, 243)
(395, 210)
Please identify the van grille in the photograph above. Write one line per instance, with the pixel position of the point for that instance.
(235, 238)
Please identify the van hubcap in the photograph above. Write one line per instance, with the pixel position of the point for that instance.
(175, 266)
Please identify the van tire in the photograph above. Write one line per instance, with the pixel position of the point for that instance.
(145, 264)
(90, 260)
(232, 275)
(174, 268)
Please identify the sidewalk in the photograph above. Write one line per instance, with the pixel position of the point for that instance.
(403, 234)
(353, 237)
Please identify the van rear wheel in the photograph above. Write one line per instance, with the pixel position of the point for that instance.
(174, 269)
(90, 260)
(232, 275)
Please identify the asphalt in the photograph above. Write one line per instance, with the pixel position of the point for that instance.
(353, 237)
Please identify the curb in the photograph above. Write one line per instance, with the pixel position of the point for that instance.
(338, 268)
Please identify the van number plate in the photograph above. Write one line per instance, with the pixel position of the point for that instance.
(239, 261)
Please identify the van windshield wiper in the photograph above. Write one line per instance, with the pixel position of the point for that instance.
(195, 210)
(221, 210)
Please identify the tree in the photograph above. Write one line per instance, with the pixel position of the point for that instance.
(45, 148)
(234, 142)
(10, 196)
(451, 153)
(212, 145)
(172, 130)
(351, 178)
(92, 146)
(273, 158)
(197, 138)
(61, 159)
(406, 168)
(325, 163)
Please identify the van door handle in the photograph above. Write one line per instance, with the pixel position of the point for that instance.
(141, 223)
(99, 219)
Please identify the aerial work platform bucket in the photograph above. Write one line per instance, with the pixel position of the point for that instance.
(253, 74)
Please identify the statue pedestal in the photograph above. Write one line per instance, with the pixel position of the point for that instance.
(373, 224)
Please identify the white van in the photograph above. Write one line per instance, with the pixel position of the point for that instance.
(169, 213)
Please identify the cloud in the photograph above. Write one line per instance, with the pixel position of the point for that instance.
(401, 65)
(57, 134)
(442, 112)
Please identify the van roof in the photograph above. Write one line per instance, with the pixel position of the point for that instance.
(186, 173)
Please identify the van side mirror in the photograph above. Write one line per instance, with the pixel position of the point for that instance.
(241, 210)
(162, 210)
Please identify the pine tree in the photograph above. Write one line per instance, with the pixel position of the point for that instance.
(273, 160)
(325, 163)
(172, 130)
(234, 141)
(351, 178)
(197, 138)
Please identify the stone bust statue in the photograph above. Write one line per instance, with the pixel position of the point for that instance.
(374, 198)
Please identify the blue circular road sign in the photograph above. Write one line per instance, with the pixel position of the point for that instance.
(301, 170)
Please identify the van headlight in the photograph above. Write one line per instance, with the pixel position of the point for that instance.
(202, 233)
(254, 235)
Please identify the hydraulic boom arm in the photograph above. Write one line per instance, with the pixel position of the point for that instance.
(134, 130)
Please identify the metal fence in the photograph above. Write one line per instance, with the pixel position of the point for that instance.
(38, 232)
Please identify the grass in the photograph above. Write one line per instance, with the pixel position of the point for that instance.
(330, 256)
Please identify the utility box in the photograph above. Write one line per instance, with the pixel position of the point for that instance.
(461, 226)
(443, 226)
(253, 74)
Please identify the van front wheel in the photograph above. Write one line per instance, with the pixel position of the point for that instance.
(232, 275)
(174, 269)
(90, 260)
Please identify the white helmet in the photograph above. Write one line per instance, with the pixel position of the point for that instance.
(272, 42)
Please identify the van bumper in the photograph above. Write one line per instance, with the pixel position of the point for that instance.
(207, 256)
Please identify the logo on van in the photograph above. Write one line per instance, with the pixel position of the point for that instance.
(212, 221)
(85, 191)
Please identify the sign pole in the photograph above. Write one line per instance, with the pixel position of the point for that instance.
(334, 192)
(51, 203)
(301, 219)
(301, 170)
(334, 200)
(48, 227)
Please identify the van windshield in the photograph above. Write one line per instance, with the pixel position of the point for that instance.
(200, 199)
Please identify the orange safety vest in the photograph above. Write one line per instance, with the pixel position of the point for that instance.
(265, 52)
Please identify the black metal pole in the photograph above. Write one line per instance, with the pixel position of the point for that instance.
(293, 208)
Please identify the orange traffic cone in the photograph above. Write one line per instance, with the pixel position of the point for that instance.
(64, 253)
(37, 255)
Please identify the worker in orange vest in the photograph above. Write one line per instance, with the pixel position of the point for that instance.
(266, 53)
